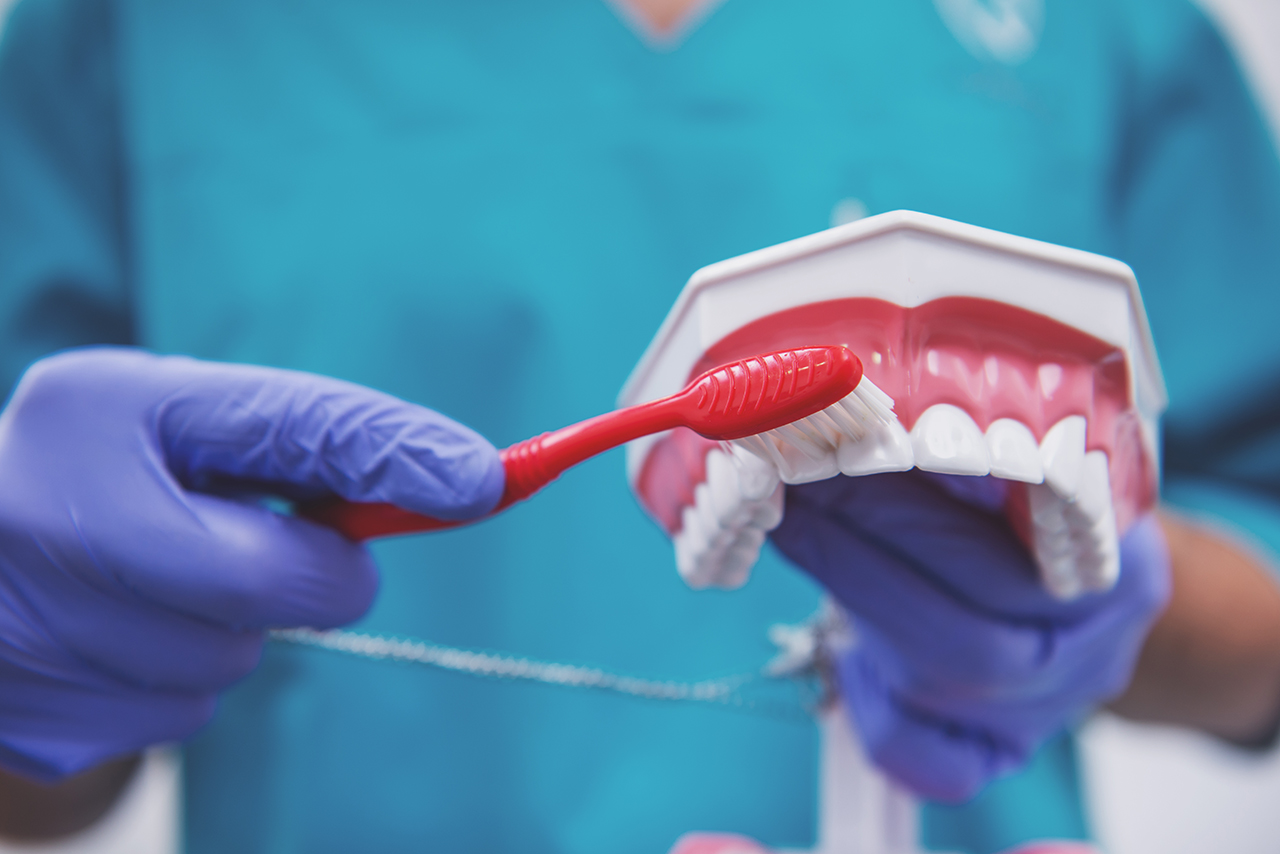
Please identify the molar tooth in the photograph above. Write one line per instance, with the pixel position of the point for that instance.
(707, 568)
(1062, 454)
(946, 440)
(1060, 578)
(1075, 542)
(886, 448)
(724, 491)
(706, 510)
(767, 514)
(723, 530)
(697, 539)
(1104, 570)
(735, 568)
(801, 462)
(735, 562)
(699, 552)
(1093, 496)
(757, 477)
(1014, 453)
(687, 559)
(1053, 543)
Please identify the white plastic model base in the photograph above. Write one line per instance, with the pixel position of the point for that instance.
(1004, 356)
(860, 812)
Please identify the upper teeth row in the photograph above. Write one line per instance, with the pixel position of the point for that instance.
(1075, 540)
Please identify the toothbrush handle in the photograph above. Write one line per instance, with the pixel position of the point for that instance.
(529, 466)
(359, 520)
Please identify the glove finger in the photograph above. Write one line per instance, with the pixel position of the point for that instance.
(944, 634)
(206, 421)
(213, 420)
(310, 430)
(51, 728)
(938, 759)
(244, 566)
(969, 550)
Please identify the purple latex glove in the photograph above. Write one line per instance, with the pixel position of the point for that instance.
(963, 664)
(128, 599)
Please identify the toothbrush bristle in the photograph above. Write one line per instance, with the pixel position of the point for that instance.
(849, 419)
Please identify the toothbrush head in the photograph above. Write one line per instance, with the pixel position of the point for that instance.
(762, 393)
(809, 397)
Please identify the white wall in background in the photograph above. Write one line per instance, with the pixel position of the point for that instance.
(1159, 790)
(146, 819)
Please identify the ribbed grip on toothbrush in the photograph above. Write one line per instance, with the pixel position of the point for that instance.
(524, 463)
(527, 468)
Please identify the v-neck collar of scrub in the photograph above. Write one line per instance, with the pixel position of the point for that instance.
(663, 24)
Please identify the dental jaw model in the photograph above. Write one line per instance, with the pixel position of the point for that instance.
(1001, 355)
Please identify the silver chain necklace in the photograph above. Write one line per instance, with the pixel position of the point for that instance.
(798, 665)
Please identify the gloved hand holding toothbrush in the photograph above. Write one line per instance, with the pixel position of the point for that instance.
(964, 663)
(130, 593)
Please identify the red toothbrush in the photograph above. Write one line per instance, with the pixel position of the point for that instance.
(804, 397)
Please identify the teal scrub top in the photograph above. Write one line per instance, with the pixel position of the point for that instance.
(488, 207)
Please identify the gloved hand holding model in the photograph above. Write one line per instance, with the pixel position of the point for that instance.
(964, 663)
(130, 595)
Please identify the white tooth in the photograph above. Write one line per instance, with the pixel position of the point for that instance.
(724, 493)
(1099, 548)
(766, 515)
(1014, 453)
(1098, 571)
(1093, 496)
(1053, 547)
(707, 568)
(946, 440)
(803, 463)
(687, 560)
(696, 538)
(735, 562)
(706, 511)
(1062, 454)
(887, 447)
(1076, 546)
(1046, 508)
(1106, 569)
(722, 531)
(757, 477)
(1064, 583)
(735, 568)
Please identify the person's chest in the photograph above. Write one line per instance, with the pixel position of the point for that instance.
(413, 181)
